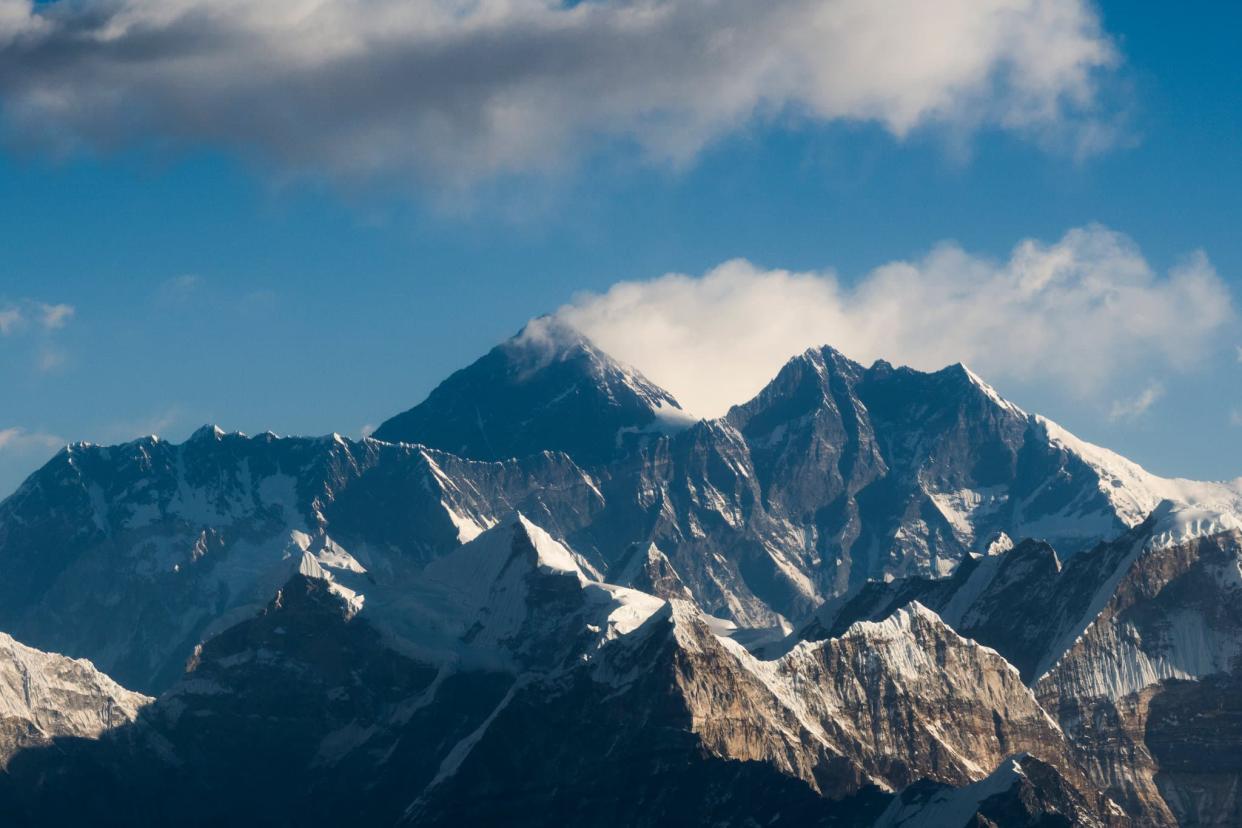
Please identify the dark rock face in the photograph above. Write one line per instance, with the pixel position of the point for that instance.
(547, 389)
(642, 740)
(1169, 633)
(1192, 732)
(298, 716)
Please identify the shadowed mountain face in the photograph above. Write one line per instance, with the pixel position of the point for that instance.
(546, 593)
(547, 389)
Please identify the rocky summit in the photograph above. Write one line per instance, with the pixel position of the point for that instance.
(547, 594)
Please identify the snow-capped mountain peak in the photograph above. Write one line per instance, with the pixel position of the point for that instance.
(1135, 492)
(547, 388)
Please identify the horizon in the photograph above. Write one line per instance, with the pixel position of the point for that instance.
(365, 433)
(271, 266)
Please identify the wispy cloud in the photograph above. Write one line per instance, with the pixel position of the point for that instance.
(179, 289)
(1134, 407)
(1079, 313)
(10, 320)
(21, 451)
(15, 439)
(50, 359)
(55, 317)
(1235, 417)
(158, 422)
(27, 314)
(38, 323)
(460, 90)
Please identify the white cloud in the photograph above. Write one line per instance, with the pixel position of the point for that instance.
(11, 319)
(15, 318)
(1134, 407)
(1235, 417)
(15, 439)
(54, 317)
(465, 89)
(1078, 313)
(27, 316)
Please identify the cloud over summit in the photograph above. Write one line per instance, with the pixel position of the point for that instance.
(459, 90)
(1083, 313)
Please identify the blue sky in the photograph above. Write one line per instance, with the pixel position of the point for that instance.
(215, 275)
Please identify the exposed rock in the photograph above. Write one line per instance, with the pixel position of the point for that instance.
(548, 388)
(44, 696)
(1168, 631)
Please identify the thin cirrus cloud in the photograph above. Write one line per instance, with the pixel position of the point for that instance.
(16, 439)
(1135, 407)
(1084, 313)
(18, 320)
(462, 90)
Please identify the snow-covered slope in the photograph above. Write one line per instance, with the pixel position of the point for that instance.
(1135, 492)
(513, 598)
(44, 696)
(548, 388)
(1022, 792)
(149, 547)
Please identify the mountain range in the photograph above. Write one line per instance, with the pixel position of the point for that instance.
(550, 595)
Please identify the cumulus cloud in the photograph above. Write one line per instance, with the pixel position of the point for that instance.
(1136, 406)
(1079, 313)
(465, 89)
